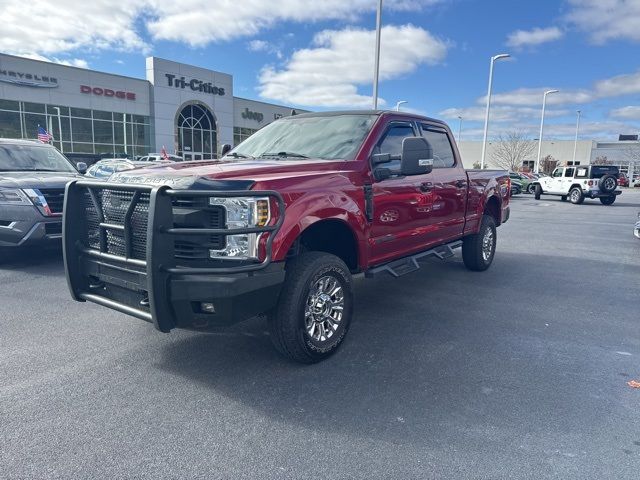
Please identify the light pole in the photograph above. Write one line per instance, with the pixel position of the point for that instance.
(459, 128)
(486, 115)
(400, 103)
(544, 104)
(376, 68)
(575, 142)
(57, 109)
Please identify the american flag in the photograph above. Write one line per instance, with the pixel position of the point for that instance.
(43, 135)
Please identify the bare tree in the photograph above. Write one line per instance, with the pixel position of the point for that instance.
(511, 149)
(602, 160)
(548, 164)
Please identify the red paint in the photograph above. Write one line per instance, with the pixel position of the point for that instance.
(406, 219)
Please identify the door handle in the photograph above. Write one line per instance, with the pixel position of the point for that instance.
(426, 186)
(460, 183)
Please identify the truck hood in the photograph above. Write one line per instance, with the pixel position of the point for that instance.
(36, 179)
(217, 174)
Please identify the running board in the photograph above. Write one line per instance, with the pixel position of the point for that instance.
(405, 265)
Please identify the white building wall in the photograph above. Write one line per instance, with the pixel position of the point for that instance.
(471, 151)
(167, 101)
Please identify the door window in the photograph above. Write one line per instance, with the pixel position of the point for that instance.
(391, 143)
(568, 172)
(557, 172)
(442, 151)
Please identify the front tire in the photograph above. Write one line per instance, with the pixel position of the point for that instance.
(538, 192)
(315, 308)
(479, 249)
(608, 200)
(576, 195)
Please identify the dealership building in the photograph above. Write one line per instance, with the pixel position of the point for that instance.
(191, 111)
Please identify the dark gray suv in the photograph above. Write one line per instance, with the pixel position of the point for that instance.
(32, 180)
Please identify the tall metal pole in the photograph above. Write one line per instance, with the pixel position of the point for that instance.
(486, 115)
(575, 142)
(544, 104)
(459, 128)
(57, 109)
(401, 102)
(376, 72)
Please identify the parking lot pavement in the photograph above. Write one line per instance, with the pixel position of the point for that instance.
(518, 372)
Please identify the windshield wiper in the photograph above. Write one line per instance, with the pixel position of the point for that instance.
(237, 155)
(284, 155)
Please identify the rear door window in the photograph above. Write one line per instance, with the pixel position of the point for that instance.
(443, 156)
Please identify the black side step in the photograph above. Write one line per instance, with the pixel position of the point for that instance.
(405, 265)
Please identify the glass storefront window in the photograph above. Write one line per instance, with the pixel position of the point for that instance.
(10, 125)
(79, 131)
(103, 132)
(80, 112)
(9, 105)
(100, 115)
(34, 107)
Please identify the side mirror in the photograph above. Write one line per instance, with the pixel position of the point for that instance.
(226, 148)
(81, 167)
(417, 156)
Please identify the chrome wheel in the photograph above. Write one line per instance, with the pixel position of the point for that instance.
(575, 195)
(487, 244)
(609, 184)
(324, 307)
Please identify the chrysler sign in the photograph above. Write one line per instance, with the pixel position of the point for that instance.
(27, 79)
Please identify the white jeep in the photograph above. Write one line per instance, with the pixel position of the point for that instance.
(580, 182)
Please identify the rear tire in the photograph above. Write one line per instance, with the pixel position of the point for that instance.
(576, 196)
(478, 250)
(608, 200)
(608, 184)
(315, 308)
(538, 191)
(531, 188)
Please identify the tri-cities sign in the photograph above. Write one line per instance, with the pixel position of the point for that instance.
(107, 92)
(194, 84)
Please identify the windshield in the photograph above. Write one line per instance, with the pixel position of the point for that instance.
(336, 137)
(22, 158)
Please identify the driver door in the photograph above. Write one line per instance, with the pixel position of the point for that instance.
(554, 184)
(403, 206)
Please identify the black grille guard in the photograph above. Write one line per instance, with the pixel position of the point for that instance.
(160, 264)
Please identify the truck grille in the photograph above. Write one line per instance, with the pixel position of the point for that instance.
(54, 198)
(113, 205)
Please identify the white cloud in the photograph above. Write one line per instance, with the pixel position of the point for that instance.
(605, 20)
(631, 112)
(258, 46)
(329, 73)
(42, 27)
(225, 20)
(537, 36)
(38, 26)
(72, 62)
(499, 113)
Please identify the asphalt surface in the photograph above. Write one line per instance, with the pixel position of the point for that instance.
(517, 372)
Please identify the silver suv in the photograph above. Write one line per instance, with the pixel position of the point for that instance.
(32, 180)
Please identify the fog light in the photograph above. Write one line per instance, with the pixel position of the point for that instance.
(207, 307)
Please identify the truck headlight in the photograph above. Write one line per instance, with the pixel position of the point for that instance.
(242, 212)
(13, 196)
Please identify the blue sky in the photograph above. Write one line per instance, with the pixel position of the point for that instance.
(319, 55)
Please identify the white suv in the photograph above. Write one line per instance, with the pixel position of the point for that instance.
(580, 182)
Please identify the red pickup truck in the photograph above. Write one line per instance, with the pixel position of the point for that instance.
(279, 225)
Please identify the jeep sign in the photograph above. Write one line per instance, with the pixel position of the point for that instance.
(257, 116)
